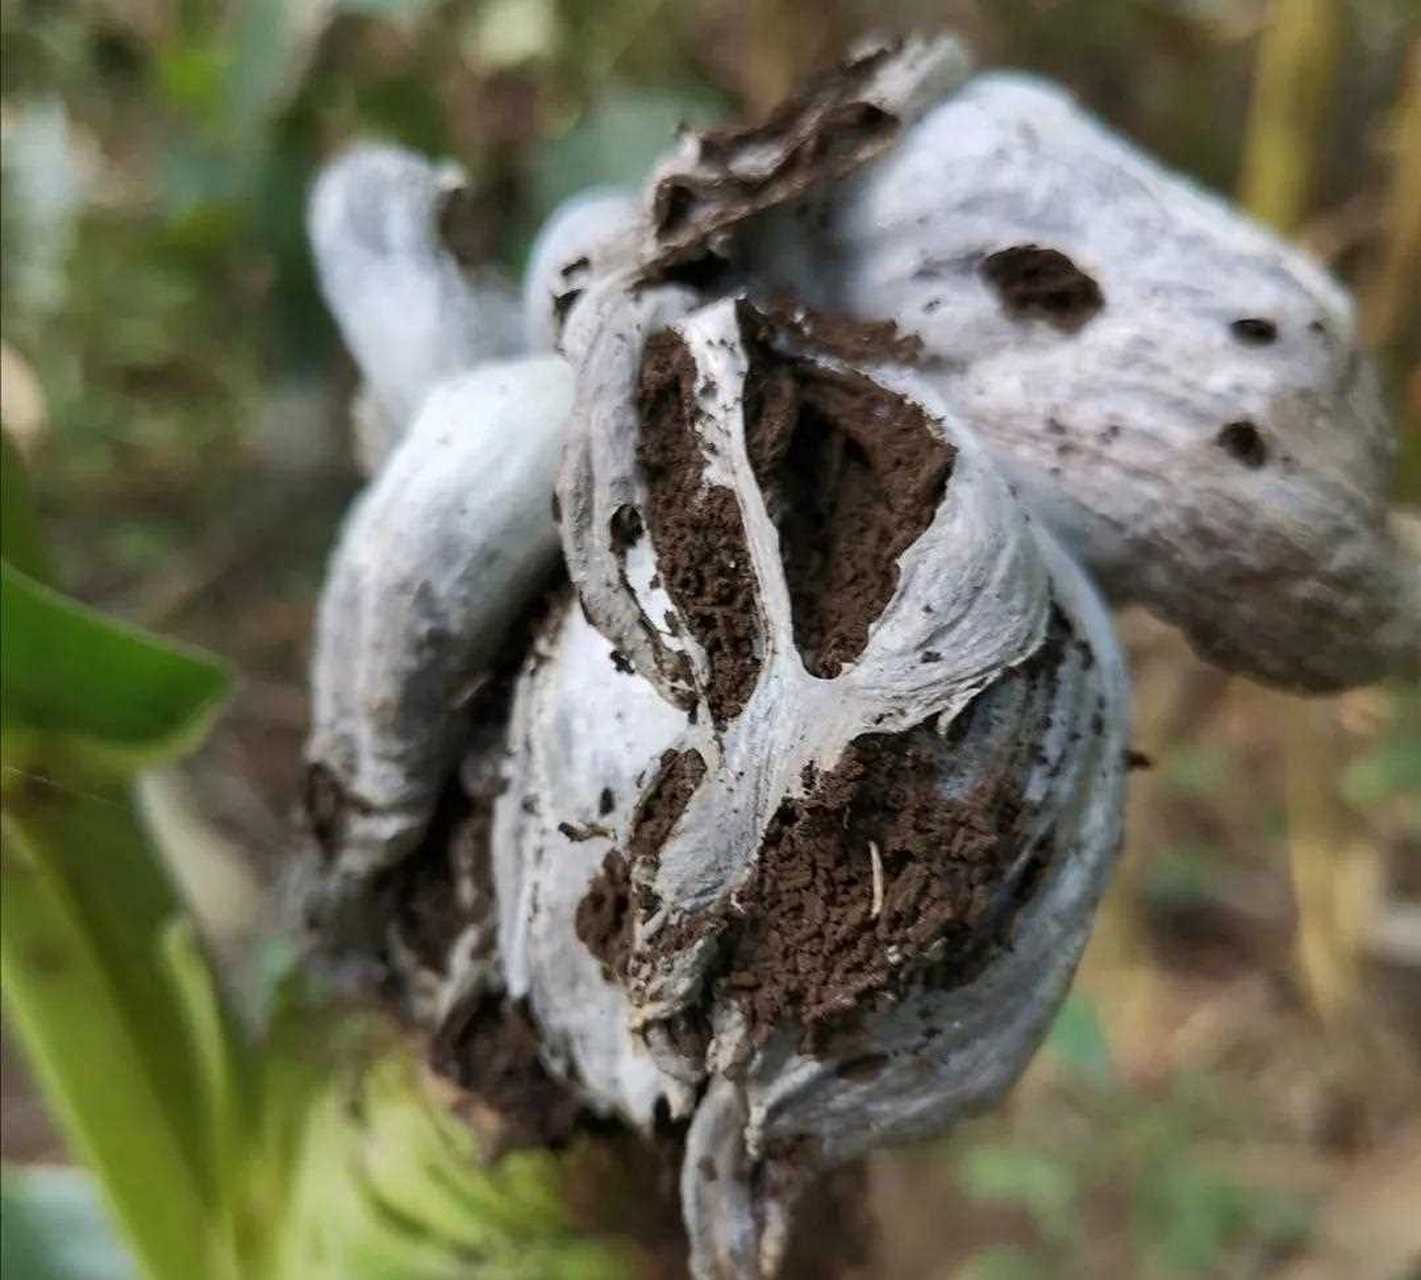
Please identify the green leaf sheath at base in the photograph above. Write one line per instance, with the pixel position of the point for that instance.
(388, 1185)
(123, 1099)
(117, 692)
(78, 840)
(115, 1029)
(220, 1059)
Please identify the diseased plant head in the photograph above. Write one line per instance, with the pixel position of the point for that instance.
(779, 822)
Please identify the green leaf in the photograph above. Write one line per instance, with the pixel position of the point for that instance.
(1182, 876)
(1392, 768)
(20, 541)
(221, 1065)
(1004, 1262)
(1185, 1215)
(1201, 769)
(56, 1229)
(119, 693)
(1078, 1041)
(391, 1185)
(1043, 1185)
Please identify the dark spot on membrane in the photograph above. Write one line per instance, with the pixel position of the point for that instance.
(625, 527)
(556, 506)
(864, 1067)
(462, 226)
(327, 808)
(706, 273)
(563, 303)
(579, 832)
(1037, 283)
(573, 267)
(1241, 441)
(1137, 760)
(672, 206)
(622, 662)
(606, 802)
(1253, 331)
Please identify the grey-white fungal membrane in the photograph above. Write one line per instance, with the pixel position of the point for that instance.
(436, 564)
(410, 312)
(794, 821)
(560, 264)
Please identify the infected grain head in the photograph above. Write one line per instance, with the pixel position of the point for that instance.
(790, 826)
(892, 732)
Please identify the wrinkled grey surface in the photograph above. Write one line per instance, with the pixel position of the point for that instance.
(1287, 571)
(599, 477)
(948, 1053)
(411, 315)
(437, 561)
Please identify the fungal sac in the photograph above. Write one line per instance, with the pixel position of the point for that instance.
(1177, 391)
(849, 869)
(718, 724)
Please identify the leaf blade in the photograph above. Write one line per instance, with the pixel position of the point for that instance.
(67, 670)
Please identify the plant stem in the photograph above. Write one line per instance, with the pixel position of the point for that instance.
(1292, 85)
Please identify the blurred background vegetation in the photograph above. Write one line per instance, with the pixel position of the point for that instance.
(1234, 1088)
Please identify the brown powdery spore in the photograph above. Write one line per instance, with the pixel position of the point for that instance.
(819, 935)
(696, 528)
(812, 950)
(604, 920)
(819, 134)
(491, 1048)
(852, 476)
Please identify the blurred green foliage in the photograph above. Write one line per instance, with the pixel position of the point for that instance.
(56, 1229)
(1390, 772)
(1187, 1216)
(305, 1148)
